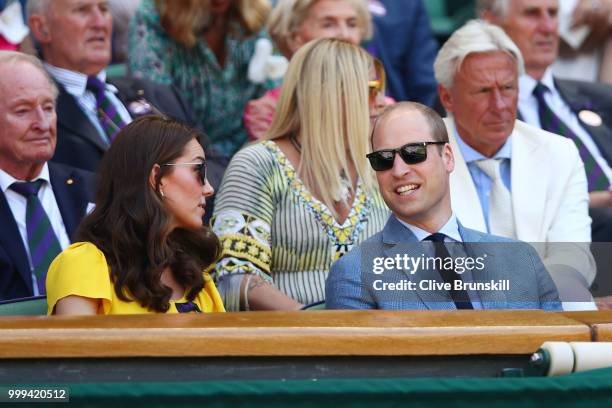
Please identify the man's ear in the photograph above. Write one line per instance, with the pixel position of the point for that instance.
(489, 17)
(449, 158)
(445, 98)
(39, 28)
(294, 42)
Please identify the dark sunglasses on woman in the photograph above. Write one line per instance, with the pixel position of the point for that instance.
(200, 167)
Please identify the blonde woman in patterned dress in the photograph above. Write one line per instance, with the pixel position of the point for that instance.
(291, 205)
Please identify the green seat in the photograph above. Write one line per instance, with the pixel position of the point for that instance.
(34, 306)
(116, 70)
(446, 16)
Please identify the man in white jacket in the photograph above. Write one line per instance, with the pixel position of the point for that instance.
(512, 179)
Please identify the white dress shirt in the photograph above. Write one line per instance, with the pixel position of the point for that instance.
(18, 203)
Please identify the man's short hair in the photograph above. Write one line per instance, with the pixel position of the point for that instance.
(37, 7)
(435, 122)
(475, 37)
(498, 8)
(13, 58)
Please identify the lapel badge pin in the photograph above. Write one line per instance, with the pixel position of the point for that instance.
(139, 107)
(590, 118)
(70, 181)
(377, 8)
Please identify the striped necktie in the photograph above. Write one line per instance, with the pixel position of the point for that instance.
(42, 241)
(109, 117)
(596, 178)
(460, 297)
(501, 216)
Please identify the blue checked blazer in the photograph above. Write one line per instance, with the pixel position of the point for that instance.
(350, 287)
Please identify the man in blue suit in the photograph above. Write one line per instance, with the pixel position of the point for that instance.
(403, 41)
(424, 258)
(41, 203)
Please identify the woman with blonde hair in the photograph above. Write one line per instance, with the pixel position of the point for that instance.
(290, 206)
(203, 47)
(292, 24)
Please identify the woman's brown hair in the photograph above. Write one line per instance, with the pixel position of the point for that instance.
(131, 225)
(185, 20)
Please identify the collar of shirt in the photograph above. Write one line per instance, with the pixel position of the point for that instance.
(527, 84)
(6, 180)
(471, 155)
(450, 229)
(74, 82)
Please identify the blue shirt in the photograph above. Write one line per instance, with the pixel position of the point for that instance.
(483, 182)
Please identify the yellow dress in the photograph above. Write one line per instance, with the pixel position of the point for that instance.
(81, 270)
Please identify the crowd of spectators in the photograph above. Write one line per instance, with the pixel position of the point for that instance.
(303, 171)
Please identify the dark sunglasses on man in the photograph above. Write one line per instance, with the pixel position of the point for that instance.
(200, 167)
(411, 153)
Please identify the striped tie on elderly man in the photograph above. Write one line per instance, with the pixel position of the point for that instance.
(108, 115)
(42, 241)
(596, 178)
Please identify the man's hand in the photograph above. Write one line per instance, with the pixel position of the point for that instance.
(596, 14)
(600, 199)
(604, 303)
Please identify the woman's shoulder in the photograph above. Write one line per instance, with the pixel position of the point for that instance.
(81, 250)
(147, 21)
(257, 155)
(147, 11)
(80, 258)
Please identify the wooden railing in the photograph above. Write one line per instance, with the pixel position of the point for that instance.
(599, 322)
(315, 333)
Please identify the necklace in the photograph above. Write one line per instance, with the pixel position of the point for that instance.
(345, 184)
(295, 143)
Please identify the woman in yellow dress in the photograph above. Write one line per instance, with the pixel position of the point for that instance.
(144, 248)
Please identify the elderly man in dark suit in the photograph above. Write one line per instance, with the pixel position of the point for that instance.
(41, 203)
(75, 42)
(580, 111)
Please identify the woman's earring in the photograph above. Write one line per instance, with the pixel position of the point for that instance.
(161, 192)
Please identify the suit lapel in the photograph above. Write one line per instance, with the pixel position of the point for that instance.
(529, 172)
(71, 117)
(394, 235)
(10, 239)
(476, 247)
(69, 195)
(464, 197)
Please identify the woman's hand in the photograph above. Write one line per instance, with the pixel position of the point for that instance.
(258, 116)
